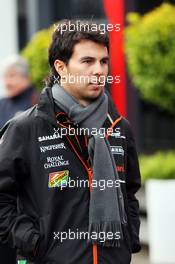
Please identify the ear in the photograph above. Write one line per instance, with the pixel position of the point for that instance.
(61, 68)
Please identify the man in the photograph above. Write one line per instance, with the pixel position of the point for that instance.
(20, 95)
(71, 164)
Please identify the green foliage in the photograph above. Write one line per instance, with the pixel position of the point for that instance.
(160, 165)
(36, 53)
(150, 51)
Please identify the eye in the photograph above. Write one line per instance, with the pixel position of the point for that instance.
(87, 61)
(105, 61)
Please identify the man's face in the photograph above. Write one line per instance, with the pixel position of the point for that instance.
(90, 61)
(14, 82)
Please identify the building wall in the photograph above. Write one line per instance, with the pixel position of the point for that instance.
(8, 29)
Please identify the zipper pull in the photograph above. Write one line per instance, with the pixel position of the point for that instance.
(90, 177)
(90, 171)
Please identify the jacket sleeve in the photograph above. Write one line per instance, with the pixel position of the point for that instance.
(18, 230)
(133, 183)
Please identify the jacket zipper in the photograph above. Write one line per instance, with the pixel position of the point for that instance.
(95, 255)
(89, 171)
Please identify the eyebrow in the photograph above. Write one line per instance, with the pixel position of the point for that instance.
(93, 58)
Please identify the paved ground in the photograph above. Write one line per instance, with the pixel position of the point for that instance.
(141, 258)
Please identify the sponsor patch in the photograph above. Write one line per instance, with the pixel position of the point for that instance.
(52, 147)
(55, 135)
(58, 179)
(56, 161)
(117, 133)
(118, 150)
(120, 169)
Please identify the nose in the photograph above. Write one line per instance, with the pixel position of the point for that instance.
(98, 69)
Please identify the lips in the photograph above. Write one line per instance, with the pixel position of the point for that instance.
(96, 87)
(96, 83)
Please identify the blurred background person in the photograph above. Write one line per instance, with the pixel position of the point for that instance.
(20, 94)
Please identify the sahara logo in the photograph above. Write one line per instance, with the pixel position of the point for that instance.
(55, 135)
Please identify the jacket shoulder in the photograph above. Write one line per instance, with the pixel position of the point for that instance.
(26, 116)
(22, 120)
(127, 127)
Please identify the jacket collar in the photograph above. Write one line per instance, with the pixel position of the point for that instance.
(46, 107)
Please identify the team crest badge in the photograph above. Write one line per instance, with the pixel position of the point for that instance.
(58, 179)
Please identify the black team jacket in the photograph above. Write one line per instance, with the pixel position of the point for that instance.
(40, 214)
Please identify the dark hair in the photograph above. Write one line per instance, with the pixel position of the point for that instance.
(66, 35)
